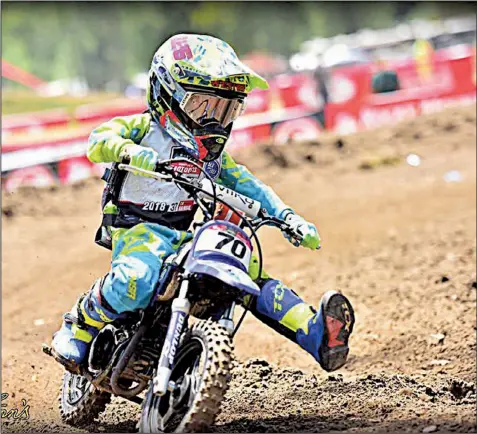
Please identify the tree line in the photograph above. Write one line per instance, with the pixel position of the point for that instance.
(107, 43)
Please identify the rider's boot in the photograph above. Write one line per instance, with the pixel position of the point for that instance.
(323, 333)
(80, 326)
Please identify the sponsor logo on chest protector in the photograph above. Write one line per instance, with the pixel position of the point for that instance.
(212, 168)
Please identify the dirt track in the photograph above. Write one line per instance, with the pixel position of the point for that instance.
(398, 240)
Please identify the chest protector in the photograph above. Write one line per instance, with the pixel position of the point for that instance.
(145, 199)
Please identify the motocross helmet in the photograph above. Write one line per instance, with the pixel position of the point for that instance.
(196, 89)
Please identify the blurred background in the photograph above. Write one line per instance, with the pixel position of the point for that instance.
(67, 66)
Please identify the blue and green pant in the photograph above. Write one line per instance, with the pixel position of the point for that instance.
(137, 258)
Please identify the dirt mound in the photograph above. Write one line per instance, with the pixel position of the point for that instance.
(57, 201)
(290, 400)
(398, 240)
(455, 128)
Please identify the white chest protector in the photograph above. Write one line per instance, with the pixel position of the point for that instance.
(157, 200)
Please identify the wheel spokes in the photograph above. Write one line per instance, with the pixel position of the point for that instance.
(77, 388)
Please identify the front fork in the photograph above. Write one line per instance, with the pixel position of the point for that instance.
(180, 311)
(227, 320)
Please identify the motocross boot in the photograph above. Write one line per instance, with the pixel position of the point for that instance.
(323, 333)
(80, 326)
(337, 317)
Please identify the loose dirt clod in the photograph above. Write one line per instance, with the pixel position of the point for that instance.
(461, 389)
(437, 339)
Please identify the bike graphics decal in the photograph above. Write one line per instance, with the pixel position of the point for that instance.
(172, 339)
(227, 193)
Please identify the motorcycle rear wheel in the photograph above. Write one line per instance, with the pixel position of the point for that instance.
(201, 373)
(79, 401)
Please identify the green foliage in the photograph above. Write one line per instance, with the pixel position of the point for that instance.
(108, 42)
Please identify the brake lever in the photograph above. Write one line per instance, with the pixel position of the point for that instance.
(300, 238)
(293, 235)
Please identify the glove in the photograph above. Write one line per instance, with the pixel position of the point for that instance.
(141, 157)
(306, 231)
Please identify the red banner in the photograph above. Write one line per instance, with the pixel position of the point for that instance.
(35, 176)
(296, 130)
(356, 108)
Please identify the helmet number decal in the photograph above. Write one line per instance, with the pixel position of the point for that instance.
(181, 49)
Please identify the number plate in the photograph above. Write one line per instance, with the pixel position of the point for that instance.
(226, 240)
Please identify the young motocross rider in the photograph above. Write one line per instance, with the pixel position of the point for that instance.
(197, 88)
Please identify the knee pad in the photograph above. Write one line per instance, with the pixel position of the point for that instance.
(130, 284)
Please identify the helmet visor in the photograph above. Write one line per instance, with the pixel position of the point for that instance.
(203, 108)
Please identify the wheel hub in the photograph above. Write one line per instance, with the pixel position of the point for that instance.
(77, 388)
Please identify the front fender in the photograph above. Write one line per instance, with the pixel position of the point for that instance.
(226, 273)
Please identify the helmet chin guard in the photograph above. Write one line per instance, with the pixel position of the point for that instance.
(213, 137)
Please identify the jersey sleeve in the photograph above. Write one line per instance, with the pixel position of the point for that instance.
(241, 180)
(108, 140)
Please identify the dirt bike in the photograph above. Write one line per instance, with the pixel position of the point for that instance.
(183, 368)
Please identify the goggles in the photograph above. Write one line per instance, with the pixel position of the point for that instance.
(203, 108)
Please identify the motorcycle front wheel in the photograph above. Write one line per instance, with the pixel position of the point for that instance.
(201, 374)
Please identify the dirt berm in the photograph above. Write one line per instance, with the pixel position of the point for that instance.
(399, 240)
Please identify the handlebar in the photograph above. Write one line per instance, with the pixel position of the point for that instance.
(208, 190)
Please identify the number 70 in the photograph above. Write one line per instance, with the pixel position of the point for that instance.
(238, 248)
